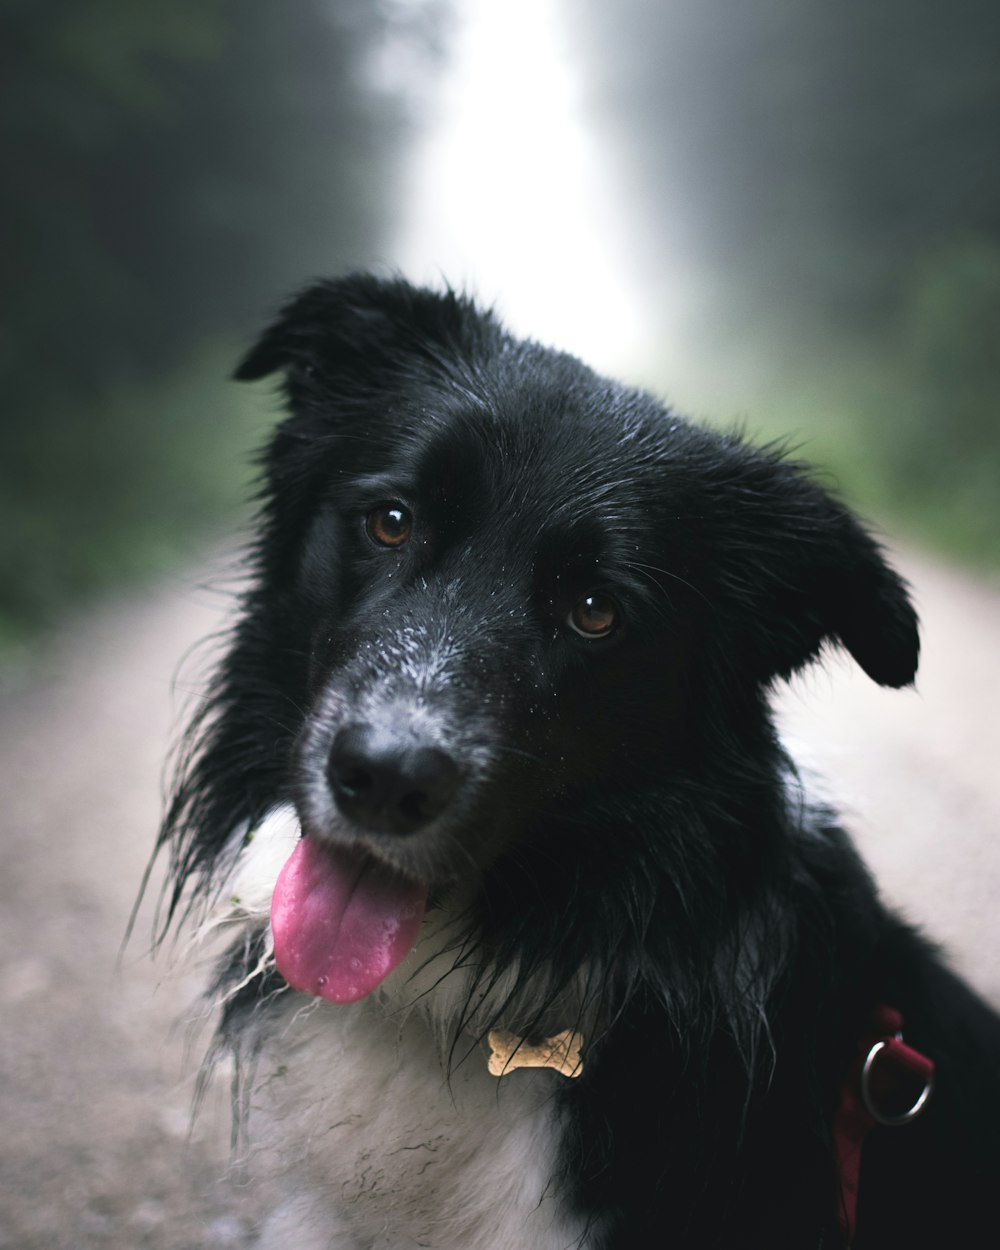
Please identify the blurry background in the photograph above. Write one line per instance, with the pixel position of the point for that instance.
(780, 215)
(783, 214)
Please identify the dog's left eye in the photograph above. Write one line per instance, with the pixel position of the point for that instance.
(595, 616)
(390, 525)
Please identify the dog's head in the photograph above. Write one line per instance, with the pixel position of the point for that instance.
(495, 593)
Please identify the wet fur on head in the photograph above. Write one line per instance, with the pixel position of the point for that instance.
(627, 848)
(714, 540)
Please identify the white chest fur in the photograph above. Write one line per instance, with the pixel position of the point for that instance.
(385, 1152)
(380, 1148)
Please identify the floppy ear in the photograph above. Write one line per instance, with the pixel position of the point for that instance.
(361, 324)
(808, 572)
(867, 606)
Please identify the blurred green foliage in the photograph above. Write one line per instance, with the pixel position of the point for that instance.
(907, 421)
(825, 179)
(945, 470)
(170, 171)
(820, 181)
(122, 487)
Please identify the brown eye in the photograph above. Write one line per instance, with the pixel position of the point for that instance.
(595, 616)
(390, 525)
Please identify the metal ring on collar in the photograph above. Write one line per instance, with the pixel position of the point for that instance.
(880, 1116)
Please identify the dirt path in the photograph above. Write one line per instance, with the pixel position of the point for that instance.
(95, 1085)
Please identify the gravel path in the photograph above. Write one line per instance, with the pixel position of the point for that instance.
(96, 1077)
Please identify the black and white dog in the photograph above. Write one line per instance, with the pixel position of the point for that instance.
(537, 945)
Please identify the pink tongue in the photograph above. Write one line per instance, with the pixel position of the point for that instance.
(341, 922)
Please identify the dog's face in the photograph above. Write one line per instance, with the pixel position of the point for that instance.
(489, 617)
(496, 591)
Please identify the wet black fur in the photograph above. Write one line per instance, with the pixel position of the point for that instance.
(636, 816)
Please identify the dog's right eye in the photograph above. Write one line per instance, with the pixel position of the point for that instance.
(390, 525)
(595, 616)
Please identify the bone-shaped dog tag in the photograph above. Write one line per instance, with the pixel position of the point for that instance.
(561, 1053)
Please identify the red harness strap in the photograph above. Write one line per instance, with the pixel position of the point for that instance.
(889, 1083)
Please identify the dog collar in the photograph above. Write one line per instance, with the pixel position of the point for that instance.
(561, 1053)
(888, 1083)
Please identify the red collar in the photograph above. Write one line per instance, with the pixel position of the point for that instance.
(888, 1083)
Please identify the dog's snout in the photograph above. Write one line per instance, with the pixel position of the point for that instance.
(388, 783)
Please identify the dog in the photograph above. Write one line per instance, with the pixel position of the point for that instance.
(535, 940)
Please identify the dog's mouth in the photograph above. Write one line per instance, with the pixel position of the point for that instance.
(341, 920)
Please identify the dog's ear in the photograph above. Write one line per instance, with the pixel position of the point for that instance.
(864, 603)
(809, 572)
(872, 613)
(360, 324)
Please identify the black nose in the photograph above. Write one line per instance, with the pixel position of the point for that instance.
(387, 782)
